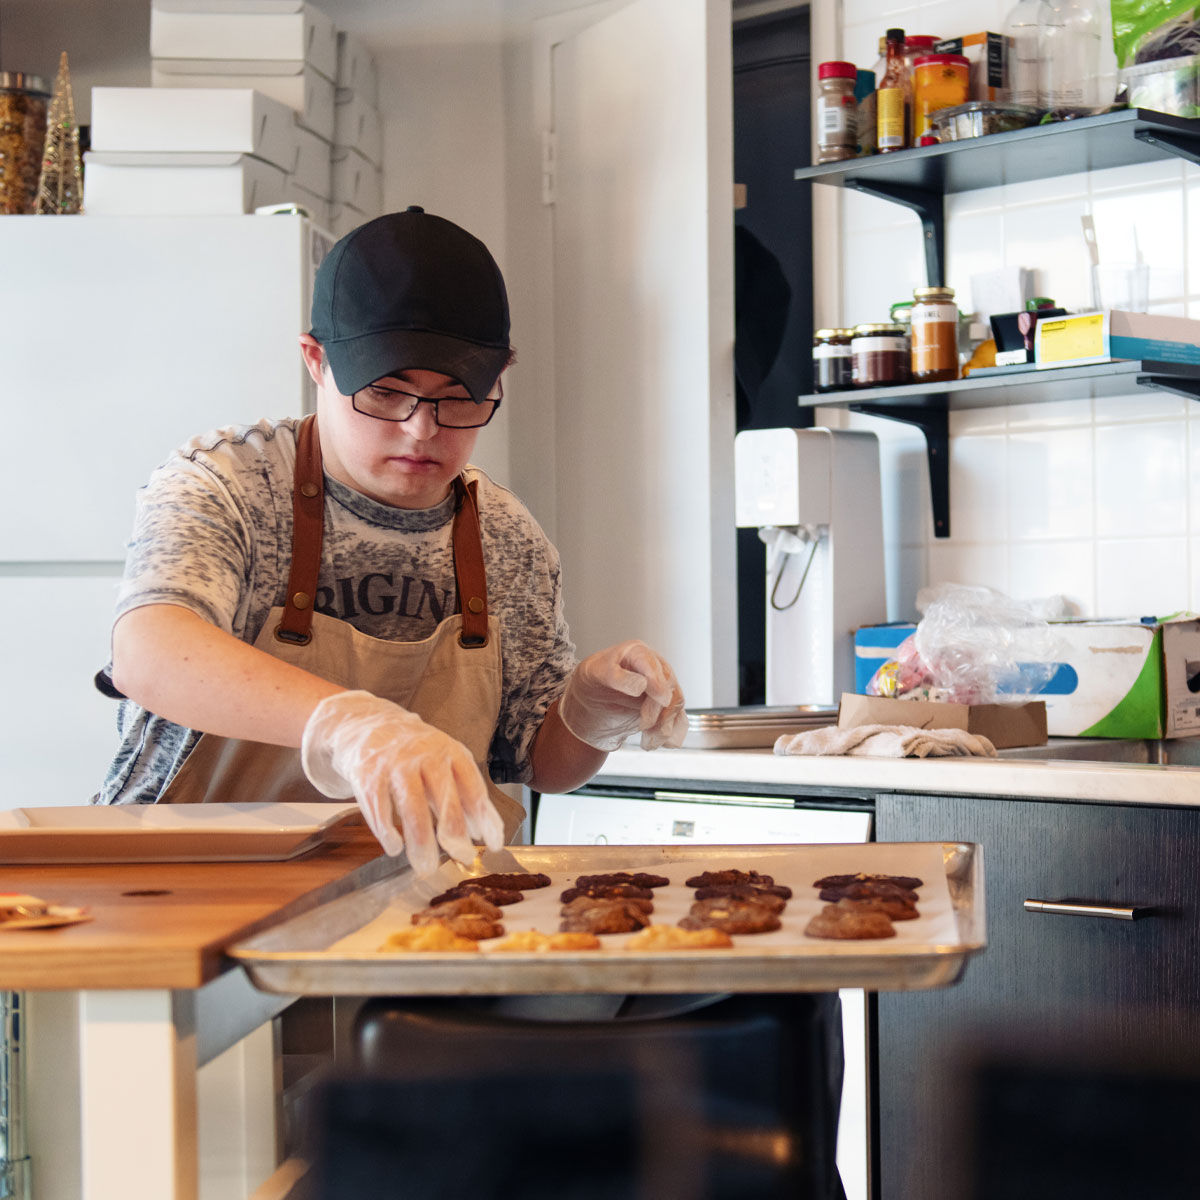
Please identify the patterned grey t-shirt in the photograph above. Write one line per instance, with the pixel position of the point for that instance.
(213, 534)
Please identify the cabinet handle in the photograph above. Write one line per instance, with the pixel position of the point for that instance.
(1075, 908)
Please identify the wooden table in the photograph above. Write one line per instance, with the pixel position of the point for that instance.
(125, 1009)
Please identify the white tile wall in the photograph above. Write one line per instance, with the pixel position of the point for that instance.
(1096, 500)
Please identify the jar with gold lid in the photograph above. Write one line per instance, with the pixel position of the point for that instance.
(934, 335)
(831, 360)
(879, 355)
(24, 100)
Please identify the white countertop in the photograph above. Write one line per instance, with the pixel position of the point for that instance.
(1112, 783)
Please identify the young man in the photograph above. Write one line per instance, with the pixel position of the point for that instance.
(342, 606)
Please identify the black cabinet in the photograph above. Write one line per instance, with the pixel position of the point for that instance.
(1080, 993)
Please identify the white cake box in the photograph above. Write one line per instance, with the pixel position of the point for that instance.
(356, 75)
(357, 127)
(345, 217)
(356, 182)
(205, 120)
(316, 206)
(130, 184)
(257, 34)
(304, 90)
(313, 169)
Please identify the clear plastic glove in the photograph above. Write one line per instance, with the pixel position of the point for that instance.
(417, 787)
(621, 691)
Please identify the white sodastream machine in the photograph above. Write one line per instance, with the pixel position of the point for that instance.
(814, 494)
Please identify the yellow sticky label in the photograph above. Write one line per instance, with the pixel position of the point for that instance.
(890, 118)
(1074, 337)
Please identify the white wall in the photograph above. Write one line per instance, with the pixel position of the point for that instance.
(1098, 500)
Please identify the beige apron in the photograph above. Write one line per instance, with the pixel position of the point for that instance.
(451, 679)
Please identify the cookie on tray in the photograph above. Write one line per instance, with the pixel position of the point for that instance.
(730, 877)
(470, 916)
(892, 907)
(642, 879)
(671, 937)
(868, 889)
(582, 904)
(513, 881)
(605, 916)
(911, 882)
(607, 891)
(490, 894)
(533, 940)
(730, 915)
(840, 923)
(768, 897)
(432, 937)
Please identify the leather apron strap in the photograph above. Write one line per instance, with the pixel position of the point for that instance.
(308, 517)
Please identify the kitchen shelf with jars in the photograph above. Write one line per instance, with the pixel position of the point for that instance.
(920, 179)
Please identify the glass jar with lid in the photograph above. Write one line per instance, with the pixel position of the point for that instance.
(837, 124)
(23, 103)
(879, 355)
(831, 360)
(934, 335)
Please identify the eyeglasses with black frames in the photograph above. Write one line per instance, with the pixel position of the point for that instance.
(450, 412)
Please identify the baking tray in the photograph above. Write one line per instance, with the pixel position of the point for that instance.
(751, 726)
(333, 949)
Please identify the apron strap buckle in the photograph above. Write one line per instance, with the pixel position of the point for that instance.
(292, 637)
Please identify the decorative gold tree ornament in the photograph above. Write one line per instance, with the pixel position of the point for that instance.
(60, 189)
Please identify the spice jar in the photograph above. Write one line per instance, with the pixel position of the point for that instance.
(837, 127)
(879, 355)
(831, 360)
(934, 335)
(939, 81)
(23, 102)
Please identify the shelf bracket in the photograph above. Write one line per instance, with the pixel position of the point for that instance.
(929, 206)
(1178, 144)
(934, 423)
(1172, 383)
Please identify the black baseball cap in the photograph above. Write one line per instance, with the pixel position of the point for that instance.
(411, 291)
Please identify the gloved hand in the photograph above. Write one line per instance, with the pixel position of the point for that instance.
(619, 691)
(416, 786)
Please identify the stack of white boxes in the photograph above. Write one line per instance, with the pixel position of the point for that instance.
(254, 103)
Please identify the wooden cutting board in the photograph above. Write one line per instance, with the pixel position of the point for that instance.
(165, 925)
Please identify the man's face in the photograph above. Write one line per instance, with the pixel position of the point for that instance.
(409, 464)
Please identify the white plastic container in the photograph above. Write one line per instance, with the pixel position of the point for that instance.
(196, 120)
(129, 184)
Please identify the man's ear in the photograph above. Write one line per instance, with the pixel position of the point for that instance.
(314, 358)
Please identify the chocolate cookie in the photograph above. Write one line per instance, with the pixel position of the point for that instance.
(606, 916)
(776, 890)
(894, 908)
(868, 889)
(904, 881)
(840, 923)
(581, 904)
(511, 882)
(730, 877)
(608, 891)
(768, 898)
(469, 916)
(731, 915)
(642, 879)
(490, 894)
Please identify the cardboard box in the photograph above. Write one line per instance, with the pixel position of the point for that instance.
(356, 75)
(357, 127)
(356, 182)
(313, 168)
(304, 90)
(278, 31)
(1098, 337)
(193, 120)
(116, 184)
(988, 56)
(1181, 675)
(1004, 725)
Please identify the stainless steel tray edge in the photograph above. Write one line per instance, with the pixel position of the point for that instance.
(275, 962)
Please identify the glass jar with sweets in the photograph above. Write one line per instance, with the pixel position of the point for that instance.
(837, 125)
(831, 360)
(939, 81)
(934, 335)
(23, 103)
(879, 355)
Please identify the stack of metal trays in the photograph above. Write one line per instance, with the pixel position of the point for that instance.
(751, 727)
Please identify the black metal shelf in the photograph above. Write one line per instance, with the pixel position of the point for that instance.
(928, 406)
(920, 178)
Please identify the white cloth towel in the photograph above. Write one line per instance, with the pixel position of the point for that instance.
(886, 741)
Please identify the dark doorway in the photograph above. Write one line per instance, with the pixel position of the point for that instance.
(771, 98)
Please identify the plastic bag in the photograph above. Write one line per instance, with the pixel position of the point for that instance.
(1151, 30)
(981, 647)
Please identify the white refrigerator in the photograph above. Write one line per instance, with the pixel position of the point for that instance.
(120, 338)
